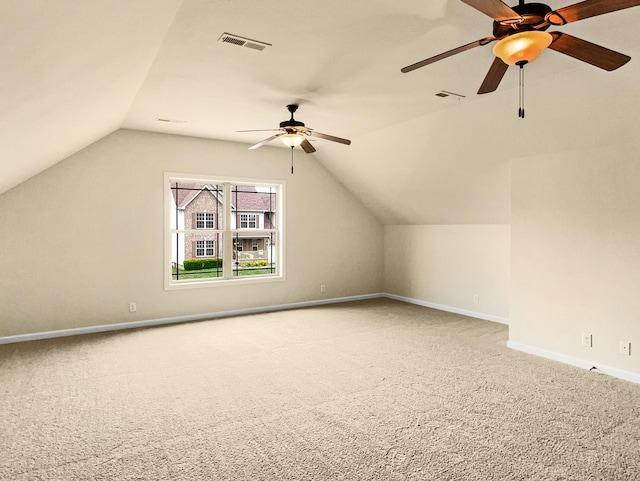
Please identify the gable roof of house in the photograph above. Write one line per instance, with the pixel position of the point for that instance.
(244, 198)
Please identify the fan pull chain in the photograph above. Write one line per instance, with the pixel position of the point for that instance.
(292, 159)
(521, 89)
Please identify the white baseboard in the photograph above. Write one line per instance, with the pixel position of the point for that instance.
(611, 371)
(455, 310)
(176, 320)
(237, 312)
(573, 361)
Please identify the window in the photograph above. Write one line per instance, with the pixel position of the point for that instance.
(206, 221)
(205, 248)
(248, 221)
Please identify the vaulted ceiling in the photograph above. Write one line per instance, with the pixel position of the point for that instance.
(76, 70)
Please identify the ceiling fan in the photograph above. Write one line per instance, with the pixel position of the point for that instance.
(294, 133)
(520, 32)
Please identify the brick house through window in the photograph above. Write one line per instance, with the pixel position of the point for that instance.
(200, 209)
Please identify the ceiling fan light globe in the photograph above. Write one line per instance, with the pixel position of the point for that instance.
(292, 140)
(522, 46)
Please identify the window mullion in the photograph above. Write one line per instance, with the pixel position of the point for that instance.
(227, 264)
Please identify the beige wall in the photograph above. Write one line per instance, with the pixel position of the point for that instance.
(576, 253)
(84, 238)
(449, 264)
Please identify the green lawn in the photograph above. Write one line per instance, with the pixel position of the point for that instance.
(201, 274)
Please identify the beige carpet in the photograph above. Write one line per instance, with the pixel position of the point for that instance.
(372, 390)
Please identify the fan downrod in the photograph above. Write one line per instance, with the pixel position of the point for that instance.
(291, 122)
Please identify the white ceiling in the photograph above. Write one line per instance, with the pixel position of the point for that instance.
(74, 71)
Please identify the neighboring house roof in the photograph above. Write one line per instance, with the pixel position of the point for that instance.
(249, 199)
(245, 199)
(187, 192)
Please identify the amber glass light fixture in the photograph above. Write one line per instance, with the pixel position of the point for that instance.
(291, 140)
(522, 47)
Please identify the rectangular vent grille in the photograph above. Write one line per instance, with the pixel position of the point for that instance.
(171, 121)
(243, 42)
(444, 93)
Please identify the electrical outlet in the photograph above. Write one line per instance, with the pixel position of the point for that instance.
(133, 307)
(476, 298)
(323, 288)
(625, 348)
(587, 340)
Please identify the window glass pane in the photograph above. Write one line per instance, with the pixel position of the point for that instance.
(255, 206)
(200, 213)
(260, 261)
(196, 255)
(199, 206)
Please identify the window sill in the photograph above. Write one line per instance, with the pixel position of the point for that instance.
(199, 283)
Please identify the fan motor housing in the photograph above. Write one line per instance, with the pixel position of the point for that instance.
(291, 123)
(534, 18)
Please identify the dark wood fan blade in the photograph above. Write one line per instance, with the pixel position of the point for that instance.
(307, 147)
(588, 8)
(313, 133)
(499, 11)
(449, 53)
(591, 53)
(494, 76)
(260, 144)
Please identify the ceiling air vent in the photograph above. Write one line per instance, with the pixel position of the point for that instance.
(444, 94)
(171, 121)
(243, 42)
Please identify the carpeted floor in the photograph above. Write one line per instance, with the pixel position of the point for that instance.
(371, 390)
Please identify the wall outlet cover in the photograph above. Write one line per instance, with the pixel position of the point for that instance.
(625, 348)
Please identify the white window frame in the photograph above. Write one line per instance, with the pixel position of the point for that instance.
(228, 230)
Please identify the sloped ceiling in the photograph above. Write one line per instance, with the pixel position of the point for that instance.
(70, 72)
(75, 71)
